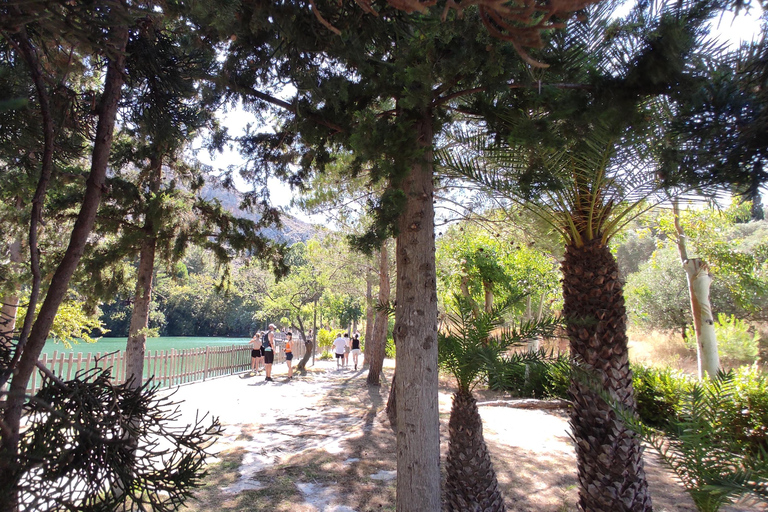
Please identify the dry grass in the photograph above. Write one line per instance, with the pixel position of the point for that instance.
(661, 348)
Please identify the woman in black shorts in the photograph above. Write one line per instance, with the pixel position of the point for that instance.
(256, 352)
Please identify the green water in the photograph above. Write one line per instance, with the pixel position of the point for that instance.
(105, 345)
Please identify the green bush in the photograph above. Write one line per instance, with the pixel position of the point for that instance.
(326, 355)
(389, 350)
(734, 341)
(746, 414)
(658, 392)
(700, 444)
(325, 338)
(532, 375)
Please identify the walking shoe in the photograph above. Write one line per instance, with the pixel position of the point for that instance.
(268, 379)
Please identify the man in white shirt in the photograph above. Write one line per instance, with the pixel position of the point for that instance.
(338, 347)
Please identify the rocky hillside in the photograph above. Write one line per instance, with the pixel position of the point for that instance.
(293, 230)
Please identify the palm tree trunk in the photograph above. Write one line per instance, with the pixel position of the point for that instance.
(609, 455)
(471, 484)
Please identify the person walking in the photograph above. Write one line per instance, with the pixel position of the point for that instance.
(347, 349)
(289, 353)
(268, 345)
(339, 344)
(356, 349)
(256, 355)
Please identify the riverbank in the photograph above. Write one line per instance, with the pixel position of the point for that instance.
(321, 443)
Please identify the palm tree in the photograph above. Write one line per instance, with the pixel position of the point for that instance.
(575, 151)
(471, 343)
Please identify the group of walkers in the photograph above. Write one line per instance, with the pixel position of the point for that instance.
(343, 345)
(263, 352)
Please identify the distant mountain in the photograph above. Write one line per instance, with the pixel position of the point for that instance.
(293, 230)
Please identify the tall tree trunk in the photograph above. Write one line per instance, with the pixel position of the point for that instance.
(308, 347)
(22, 44)
(699, 281)
(370, 311)
(59, 284)
(375, 348)
(418, 443)
(464, 286)
(471, 484)
(137, 332)
(488, 289)
(609, 455)
(10, 304)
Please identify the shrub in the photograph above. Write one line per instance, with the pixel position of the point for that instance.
(658, 392)
(532, 375)
(701, 447)
(389, 350)
(735, 342)
(746, 414)
(325, 338)
(326, 355)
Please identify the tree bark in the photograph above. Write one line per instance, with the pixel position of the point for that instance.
(488, 289)
(59, 284)
(10, 306)
(418, 443)
(308, 348)
(471, 483)
(370, 311)
(375, 349)
(699, 281)
(609, 455)
(137, 332)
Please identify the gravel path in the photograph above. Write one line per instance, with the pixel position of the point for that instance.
(321, 443)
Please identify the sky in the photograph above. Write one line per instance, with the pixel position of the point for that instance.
(730, 28)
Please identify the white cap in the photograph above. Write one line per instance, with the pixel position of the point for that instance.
(272, 326)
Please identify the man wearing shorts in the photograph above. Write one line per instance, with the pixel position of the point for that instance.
(339, 344)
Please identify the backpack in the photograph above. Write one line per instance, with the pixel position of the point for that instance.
(265, 340)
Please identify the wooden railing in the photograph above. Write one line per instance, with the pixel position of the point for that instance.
(168, 368)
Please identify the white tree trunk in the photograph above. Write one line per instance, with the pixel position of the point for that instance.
(699, 282)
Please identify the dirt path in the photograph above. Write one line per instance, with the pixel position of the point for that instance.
(321, 443)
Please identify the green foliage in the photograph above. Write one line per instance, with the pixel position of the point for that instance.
(326, 355)
(735, 342)
(71, 324)
(532, 374)
(746, 416)
(735, 252)
(658, 392)
(390, 349)
(325, 338)
(701, 448)
(472, 257)
(472, 342)
(79, 450)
